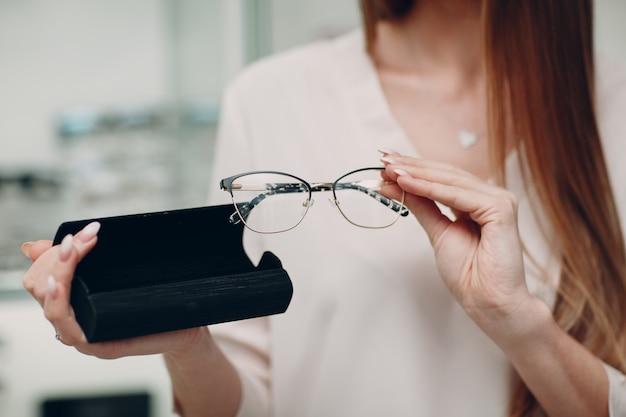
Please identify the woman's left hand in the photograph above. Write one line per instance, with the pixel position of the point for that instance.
(478, 251)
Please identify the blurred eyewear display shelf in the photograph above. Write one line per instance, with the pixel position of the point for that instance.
(163, 271)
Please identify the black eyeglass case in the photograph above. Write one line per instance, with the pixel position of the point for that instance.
(163, 271)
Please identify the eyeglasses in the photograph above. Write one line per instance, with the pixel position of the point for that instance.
(273, 202)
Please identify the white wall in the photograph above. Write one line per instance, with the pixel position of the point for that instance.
(206, 44)
(56, 54)
(298, 22)
(610, 27)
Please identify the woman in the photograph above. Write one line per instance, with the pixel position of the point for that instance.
(519, 313)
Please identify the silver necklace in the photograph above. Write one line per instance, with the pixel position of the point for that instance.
(466, 138)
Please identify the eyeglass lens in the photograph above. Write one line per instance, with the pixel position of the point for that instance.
(360, 198)
(270, 202)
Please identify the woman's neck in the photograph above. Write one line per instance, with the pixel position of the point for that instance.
(430, 70)
(438, 40)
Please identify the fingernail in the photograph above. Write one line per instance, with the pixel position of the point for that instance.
(388, 160)
(52, 287)
(66, 247)
(388, 151)
(400, 172)
(88, 232)
(26, 248)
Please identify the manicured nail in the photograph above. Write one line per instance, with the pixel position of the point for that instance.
(400, 172)
(88, 232)
(26, 248)
(387, 151)
(387, 160)
(66, 247)
(52, 287)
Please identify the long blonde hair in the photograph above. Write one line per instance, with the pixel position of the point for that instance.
(539, 70)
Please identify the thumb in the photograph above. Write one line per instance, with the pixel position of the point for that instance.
(427, 214)
(33, 250)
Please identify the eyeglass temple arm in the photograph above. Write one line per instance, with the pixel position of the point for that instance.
(244, 209)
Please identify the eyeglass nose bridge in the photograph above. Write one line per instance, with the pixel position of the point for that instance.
(321, 186)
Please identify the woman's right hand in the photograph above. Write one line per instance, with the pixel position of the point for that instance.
(49, 281)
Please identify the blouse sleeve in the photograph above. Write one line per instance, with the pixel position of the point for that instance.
(245, 342)
(617, 392)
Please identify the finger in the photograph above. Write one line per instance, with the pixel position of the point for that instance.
(427, 214)
(442, 175)
(33, 250)
(57, 308)
(72, 250)
(438, 173)
(482, 202)
(43, 254)
(391, 189)
(387, 151)
(59, 312)
(32, 281)
(413, 164)
(59, 262)
(84, 240)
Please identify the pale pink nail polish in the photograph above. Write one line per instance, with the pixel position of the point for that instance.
(66, 247)
(388, 160)
(26, 248)
(401, 172)
(387, 151)
(52, 287)
(88, 232)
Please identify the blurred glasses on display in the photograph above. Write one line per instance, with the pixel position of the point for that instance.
(273, 202)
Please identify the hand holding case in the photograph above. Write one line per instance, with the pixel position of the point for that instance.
(162, 271)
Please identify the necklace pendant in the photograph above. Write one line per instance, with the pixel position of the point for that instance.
(467, 139)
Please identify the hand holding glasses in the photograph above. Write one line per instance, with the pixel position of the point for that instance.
(273, 202)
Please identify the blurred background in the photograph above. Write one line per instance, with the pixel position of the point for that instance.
(109, 107)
